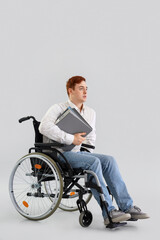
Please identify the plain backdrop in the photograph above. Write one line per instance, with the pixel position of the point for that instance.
(115, 46)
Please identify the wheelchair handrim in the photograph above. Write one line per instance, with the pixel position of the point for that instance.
(59, 188)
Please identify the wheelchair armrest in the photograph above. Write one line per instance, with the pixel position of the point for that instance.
(87, 146)
(84, 149)
(57, 144)
(49, 145)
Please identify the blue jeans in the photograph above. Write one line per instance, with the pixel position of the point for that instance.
(106, 169)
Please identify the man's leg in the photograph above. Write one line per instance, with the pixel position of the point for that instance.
(106, 166)
(114, 181)
(118, 188)
(90, 162)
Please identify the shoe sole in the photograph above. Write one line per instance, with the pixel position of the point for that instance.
(122, 218)
(139, 216)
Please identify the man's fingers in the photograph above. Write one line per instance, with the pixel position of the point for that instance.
(82, 133)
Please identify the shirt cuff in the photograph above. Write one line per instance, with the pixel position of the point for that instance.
(69, 139)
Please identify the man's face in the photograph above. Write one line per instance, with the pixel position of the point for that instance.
(79, 93)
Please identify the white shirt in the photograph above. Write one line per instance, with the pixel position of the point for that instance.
(50, 131)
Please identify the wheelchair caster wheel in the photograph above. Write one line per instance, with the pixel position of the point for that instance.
(85, 218)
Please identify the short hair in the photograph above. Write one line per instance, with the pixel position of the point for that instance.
(73, 81)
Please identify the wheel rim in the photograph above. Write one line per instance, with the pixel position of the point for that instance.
(85, 218)
(28, 192)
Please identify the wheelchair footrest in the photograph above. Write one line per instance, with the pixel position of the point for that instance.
(132, 219)
(115, 225)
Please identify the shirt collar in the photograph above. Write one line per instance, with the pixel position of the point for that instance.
(74, 106)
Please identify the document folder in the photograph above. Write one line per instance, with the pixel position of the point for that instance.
(72, 122)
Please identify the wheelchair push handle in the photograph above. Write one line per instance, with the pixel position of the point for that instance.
(26, 118)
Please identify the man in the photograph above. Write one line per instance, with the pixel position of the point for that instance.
(104, 166)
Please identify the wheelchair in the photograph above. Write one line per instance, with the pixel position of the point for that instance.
(40, 183)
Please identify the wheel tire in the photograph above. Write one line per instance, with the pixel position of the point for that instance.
(23, 186)
(85, 218)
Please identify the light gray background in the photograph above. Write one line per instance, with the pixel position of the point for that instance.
(115, 46)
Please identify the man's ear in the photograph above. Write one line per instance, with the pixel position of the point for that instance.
(70, 90)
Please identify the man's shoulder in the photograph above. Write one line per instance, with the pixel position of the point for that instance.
(60, 105)
(57, 108)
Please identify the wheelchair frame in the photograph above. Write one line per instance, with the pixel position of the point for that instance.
(55, 167)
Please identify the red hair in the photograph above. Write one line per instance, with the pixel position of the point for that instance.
(73, 81)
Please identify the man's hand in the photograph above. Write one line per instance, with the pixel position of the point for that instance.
(78, 139)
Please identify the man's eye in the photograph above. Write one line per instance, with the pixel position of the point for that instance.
(82, 89)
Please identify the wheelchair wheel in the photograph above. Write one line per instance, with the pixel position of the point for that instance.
(70, 203)
(27, 186)
(85, 218)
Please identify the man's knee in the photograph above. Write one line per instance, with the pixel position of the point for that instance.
(112, 164)
(108, 161)
(112, 159)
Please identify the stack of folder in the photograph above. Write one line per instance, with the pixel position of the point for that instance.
(71, 121)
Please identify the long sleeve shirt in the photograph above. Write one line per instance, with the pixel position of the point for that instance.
(51, 131)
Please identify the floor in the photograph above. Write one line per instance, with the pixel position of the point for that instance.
(65, 225)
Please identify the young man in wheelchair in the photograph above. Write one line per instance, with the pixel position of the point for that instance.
(105, 167)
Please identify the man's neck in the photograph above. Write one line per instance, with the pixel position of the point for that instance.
(78, 105)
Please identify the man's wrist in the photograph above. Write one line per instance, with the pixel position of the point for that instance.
(69, 139)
